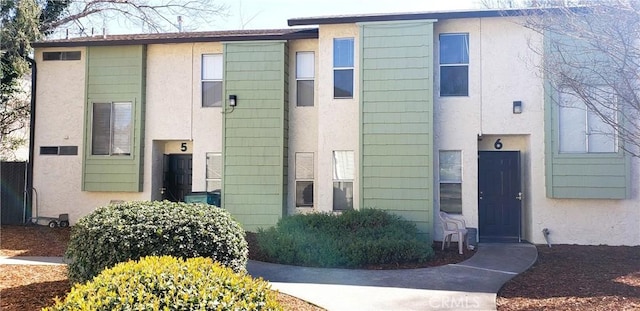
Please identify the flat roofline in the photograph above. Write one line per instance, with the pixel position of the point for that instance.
(184, 37)
(348, 19)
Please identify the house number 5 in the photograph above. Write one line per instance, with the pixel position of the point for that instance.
(183, 147)
(497, 144)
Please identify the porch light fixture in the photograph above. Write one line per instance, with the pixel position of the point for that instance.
(517, 107)
(233, 100)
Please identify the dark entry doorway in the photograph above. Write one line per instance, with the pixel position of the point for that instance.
(499, 196)
(177, 176)
(12, 189)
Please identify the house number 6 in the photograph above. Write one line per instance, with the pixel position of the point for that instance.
(497, 144)
(183, 147)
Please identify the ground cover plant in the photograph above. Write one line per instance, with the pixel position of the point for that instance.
(355, 238)
(131, 230)
(168, 283)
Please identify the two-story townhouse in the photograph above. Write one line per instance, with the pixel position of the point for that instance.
(412, 113)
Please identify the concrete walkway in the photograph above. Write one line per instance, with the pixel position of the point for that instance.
(469, 285)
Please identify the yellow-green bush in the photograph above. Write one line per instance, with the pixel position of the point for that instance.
(168, 283)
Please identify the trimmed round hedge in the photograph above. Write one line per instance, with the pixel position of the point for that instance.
(131, 230)
(168, 283)
(356, 238)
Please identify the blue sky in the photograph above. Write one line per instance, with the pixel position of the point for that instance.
(265, 14)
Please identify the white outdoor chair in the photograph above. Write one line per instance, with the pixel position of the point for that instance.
(451, 226)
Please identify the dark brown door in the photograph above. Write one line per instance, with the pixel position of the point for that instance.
(177, 176)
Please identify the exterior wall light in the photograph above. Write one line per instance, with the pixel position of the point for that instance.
(233, 100)
(517, 107)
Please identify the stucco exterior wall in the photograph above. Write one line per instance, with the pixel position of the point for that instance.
(303, 121)
(57, 179)
(502, 69)
(173, 116)
(174, 110)
(338, 119)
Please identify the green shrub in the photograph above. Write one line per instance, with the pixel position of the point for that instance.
(121, 232)
(356, 238)
(168, 283)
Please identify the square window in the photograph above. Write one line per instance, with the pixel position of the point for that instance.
(451, 198)
(454, 64)
(450, 181)
(111, 128)
(304, 193)
(454, 81)
(582, 130)
(342, 195)
(211, 93)
(304, 178)
(343, 174)
(343, 60)
(214, 171)
(305, 75)
(304, 96)
(212, 74)
(343, 52)
(454, 49)
(343, 83)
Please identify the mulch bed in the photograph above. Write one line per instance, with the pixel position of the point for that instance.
(565, 277)
(574, 277)
(34, 287)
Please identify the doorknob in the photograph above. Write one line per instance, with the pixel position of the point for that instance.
(519, 196)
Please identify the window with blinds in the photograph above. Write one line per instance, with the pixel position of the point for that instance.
(111, 128)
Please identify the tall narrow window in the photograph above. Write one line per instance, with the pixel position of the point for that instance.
(451, 181)
(305, 75)
(583, 130)
(214, 171)
(343, 173)
(343, 68)
(111, 128)
(212, 80)
(454, 64)
(304, 179)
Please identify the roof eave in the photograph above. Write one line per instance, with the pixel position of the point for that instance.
(420, 16)
(99, 41)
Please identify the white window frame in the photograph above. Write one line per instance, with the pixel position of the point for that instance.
(214, 74)
(344, 177)
(444, 179)
(589, 117)
(442, 65)
(114, 149)
(344, 68)
(305, 74)
(213, 174)
(304, 174)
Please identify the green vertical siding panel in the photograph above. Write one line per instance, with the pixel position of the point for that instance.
(115, 73)
(396, 115)
(579, 176)
(254, 140)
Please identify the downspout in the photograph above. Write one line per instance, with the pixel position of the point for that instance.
(32, 134)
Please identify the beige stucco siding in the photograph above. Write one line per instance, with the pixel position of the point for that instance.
(303, 121)
(338, 119)
(60, 101)
(502, 69)
(174, 109)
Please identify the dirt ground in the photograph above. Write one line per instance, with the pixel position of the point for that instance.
(34, 287)
(573, 277)
(565, 277)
